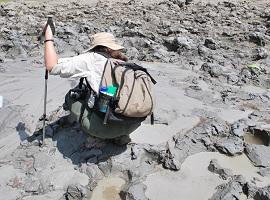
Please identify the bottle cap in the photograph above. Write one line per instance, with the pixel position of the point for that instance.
(103, 89)
(111, 89)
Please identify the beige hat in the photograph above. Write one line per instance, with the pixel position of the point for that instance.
(104, 39)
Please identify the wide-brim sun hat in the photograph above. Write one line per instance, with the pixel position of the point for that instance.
(104, 39)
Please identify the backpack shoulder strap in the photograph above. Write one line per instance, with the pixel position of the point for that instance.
(108, 72)
(88, 85)
(103, 73)
(136, 67)
(81, 82)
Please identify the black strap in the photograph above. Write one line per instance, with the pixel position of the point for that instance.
(83, 108)
(51, 40)
(88, 85)
(81, 82)
(103, 73)
(105, 121)
(152, 119)
(136, 67)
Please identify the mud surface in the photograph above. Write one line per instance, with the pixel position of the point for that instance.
(211, 134)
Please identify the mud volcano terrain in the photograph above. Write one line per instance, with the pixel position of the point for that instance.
(211, 134)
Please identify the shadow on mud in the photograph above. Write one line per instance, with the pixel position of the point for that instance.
(76, 145)
(22, 131)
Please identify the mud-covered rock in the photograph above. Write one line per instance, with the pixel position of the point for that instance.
(213, 126)
(94, 174)
(263, 115)
(135, 191)
(234, 189)
(264, 172)
(217, 169)
(239, 128)
(258, 193)
(204, 51)
(232, 78)
(169, 161)
(183, 146)
(262, 193)
(75, 192)
(132, 53)
(258, 154)
(171, 43)
(257, 38)
(260, 53)
(185, 44)
(231, 145)
(164, 156)
(213, 69)
(210, 43)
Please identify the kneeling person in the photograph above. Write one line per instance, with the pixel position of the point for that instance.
(111, 102)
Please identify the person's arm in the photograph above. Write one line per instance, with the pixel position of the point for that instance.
(50, 55)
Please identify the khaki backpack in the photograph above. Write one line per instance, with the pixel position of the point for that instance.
(135, 95)
(130, 105)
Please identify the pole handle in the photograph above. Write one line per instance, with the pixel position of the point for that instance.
(46, 74)
(51, 24)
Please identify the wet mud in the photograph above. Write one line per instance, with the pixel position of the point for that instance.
(211, 133)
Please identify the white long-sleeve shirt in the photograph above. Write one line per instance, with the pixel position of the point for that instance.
(88, 65)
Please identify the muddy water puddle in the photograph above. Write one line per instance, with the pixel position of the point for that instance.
(194, 175)
(259, 139)
(108, 189)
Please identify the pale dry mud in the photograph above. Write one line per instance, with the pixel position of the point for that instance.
(195, 176)
(211, 134)
(22, 90)
(69, 159)
(175, 109)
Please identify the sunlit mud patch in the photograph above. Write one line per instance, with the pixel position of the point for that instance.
(108, 189)
(256, 136)
(195, 176)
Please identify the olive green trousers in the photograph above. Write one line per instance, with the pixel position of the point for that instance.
(92, 122)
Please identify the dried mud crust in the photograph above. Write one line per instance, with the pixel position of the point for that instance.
(223, 46)
(84, 160)
(165, 31)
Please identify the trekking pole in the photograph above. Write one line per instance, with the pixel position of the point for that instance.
(44, 118)
(45, 107)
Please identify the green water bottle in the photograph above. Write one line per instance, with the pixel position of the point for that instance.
(106, 94)
(111, 90)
